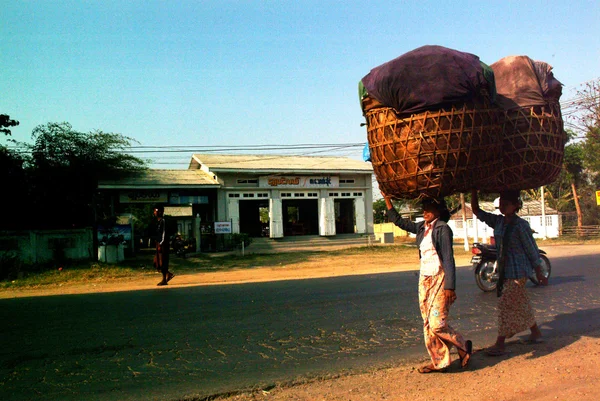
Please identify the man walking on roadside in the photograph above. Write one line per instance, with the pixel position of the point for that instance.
(161, 258)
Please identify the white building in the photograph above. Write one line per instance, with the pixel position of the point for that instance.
(531, 211)
(301, 195)
(259, 195)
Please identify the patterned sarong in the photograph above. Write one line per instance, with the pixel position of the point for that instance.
(439, 336)
(515, 313)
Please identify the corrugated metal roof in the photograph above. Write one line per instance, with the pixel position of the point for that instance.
(163, 179)
(279, 163)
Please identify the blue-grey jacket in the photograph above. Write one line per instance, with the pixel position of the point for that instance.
(441, 238)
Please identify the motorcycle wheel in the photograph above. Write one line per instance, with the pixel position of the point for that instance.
(484, 276)
(546, 268)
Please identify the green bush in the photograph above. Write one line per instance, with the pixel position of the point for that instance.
(237, 239)
(10, 265)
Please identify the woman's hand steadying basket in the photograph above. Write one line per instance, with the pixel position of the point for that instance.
(387, 199)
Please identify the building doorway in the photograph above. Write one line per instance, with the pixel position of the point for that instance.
(344, 216)
(300, 217)
(254, 217)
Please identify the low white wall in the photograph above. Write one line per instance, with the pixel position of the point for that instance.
(39, 246)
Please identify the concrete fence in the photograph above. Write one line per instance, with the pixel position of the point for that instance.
(39, 246)
(380, 231)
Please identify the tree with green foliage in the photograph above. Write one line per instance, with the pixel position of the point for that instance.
(379, 210)
(63, 169)
(5, 123)
(581, 163)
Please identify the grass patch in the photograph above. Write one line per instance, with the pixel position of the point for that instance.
(82, 272)
(215, 263)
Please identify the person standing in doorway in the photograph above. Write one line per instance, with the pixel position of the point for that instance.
(161, 258)
(518, 256)
(436, 282)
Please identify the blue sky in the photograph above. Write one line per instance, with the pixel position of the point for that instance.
(222, 73)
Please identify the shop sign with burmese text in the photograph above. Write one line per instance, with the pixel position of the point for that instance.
(143, 196)
(222, 227)
(298, 181)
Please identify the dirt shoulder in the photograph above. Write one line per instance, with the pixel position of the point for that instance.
(559, 369)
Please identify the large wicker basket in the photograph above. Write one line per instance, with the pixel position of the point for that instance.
(435, 153)
(533, 148)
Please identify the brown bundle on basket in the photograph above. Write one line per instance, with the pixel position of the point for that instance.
(532, 124)
(435, 153)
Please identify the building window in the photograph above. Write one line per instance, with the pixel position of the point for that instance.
(299, 195)
(333, 194)
(347, 181)
(548, 221)
(248, 195)
(346, 194)
(262, 195)
(234, 195)
(358, 194)
(248, 181)
(313, 194)
(459, 223)
(470, 224)
(286, 195)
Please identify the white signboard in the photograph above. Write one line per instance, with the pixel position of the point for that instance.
(222, 227)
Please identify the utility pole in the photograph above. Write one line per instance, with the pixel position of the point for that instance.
(464, 220)
(544, 231)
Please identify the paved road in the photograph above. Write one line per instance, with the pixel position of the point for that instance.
(167, 344)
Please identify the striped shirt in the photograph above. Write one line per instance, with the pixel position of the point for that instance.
(522, 254)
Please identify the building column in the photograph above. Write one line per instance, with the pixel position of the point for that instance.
(275, 216)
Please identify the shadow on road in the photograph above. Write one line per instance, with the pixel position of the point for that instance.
(570, 327)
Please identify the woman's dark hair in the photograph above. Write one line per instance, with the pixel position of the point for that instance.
(160, 209)
(439, 205)
(513, 197)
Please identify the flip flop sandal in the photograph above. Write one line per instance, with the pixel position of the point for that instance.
(170, 276)
(464, 360)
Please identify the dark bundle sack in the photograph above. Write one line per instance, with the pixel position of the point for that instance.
(522, 82)
(430, 78)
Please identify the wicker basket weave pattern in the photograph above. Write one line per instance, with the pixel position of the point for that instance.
(435, 153)
(533, 147)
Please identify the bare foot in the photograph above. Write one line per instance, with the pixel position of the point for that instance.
(535, 335)
(430, 369)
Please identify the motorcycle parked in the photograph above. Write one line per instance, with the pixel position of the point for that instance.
(485, 265)
(180, 246)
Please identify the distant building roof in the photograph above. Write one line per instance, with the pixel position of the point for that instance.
(534, 208)
(530, 208)
(150, 179)
(279, 164)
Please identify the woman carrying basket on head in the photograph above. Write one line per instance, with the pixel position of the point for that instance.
(436, 282)
(517, 255)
